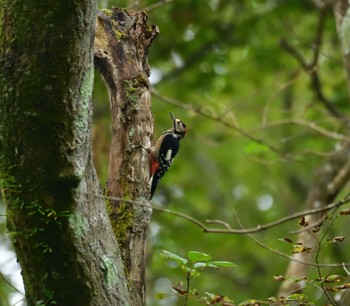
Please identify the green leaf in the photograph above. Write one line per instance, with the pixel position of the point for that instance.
(334, 278)
(195, 256)
(168, 255)
(296, 297)
(186, 269)
(194, 273)
(210, 265)
(199, 265)
(226, 264)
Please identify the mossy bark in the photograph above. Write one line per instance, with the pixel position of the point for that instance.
(121, 48)
(60, 229)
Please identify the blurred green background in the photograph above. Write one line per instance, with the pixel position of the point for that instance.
(249, 108)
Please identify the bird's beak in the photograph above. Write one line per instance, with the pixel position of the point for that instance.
(173, 118)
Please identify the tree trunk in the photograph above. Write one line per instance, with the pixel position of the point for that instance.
(60, 229)
(121, 48)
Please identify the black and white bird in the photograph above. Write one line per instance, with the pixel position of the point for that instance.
(162, 153)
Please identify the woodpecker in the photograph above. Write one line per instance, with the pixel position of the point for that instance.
(161, 155)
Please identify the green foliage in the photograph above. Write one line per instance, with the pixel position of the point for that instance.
(192, 268)
(223, 64)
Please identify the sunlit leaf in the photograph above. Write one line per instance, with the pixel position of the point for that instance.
(199, 265)
(210, 265)
(194, 273)
(294, 280)
(172, 256)
(226, 264)
(334, 278)
(300, 248)
(296, 297)
(195, 256)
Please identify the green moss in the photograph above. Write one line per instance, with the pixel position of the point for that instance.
(106, 12)
(133, 89)
(122, 214)
(125, 220)
(117, 34)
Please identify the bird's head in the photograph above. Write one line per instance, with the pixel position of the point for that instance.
(179, 127)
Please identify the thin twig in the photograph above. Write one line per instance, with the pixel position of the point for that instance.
(188, 280)
(230, 230)
(220, 119)
(219, 222)
(19, 301)
(311, 69)
(319, 36)
(264, 246)
(345, 269)
(303, 123)
(10, 284)
(310, 227)
(319, 242)
(258, 228)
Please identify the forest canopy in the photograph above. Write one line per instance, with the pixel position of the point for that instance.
(263, 89)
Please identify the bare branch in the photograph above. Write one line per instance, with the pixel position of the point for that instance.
(319, 36)
(10, 284)
(328, 181)
(303, 123)
(220, 119)
(264, 246)
(319, 247)
(258, 228)
(345, 269)
(311, 69)
(219, 222)
(311, 226)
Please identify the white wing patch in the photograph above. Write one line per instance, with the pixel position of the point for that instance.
(168, 155)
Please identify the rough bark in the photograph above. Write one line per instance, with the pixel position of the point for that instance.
(121, 48)
(60, 230)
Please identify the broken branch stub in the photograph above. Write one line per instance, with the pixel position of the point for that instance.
(122, 42)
